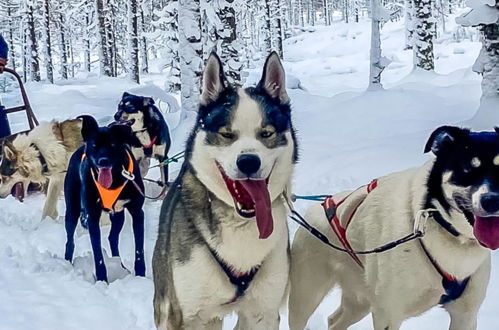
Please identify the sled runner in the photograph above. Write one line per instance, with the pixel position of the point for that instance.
(5, 131)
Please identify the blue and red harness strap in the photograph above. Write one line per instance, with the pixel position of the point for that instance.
(453, 287)
(331, 207)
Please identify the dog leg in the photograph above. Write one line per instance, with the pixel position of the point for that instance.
(53, 192)
(117, 221)
(144, 164)
(463, 311)
(138, 233)
(350, 312)
(268, 320)
(384, 320)
(71, 221)
(164, 169)
(95, 239)
(310, 279)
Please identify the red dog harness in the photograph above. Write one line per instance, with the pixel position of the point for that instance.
(339, 223)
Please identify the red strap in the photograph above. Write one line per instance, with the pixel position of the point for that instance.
(150, 145)
(330, 208)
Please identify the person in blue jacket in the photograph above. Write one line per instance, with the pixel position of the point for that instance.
(4, 50)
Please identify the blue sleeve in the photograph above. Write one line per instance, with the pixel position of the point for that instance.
(4, 49)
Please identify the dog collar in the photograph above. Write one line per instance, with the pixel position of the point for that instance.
(43, 161)
(107, 196)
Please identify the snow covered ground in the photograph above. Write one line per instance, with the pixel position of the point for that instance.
(347, 137)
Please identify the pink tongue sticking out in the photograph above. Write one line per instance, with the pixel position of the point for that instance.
(486, 230)
(105, 177)
(18, 191)
(263, 206)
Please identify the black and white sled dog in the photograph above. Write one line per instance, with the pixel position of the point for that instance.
(449, 266)
(104, 176)
(150, 128)
(223, 245)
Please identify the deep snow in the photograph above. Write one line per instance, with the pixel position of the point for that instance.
(347, 137)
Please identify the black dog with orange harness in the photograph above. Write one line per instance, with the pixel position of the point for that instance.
(103, 176)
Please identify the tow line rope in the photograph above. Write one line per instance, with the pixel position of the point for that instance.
(173, 159)
(418, 232)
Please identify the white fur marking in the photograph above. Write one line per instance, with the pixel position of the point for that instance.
(476, 162)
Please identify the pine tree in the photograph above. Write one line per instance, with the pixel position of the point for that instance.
(424, 32)
(104, 51)
(191, 52)
(409, 23)
(133, 32)
(377, 62)
(226, 34)
(48, 43)
(32, 54)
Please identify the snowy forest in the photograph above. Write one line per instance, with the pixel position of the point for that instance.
(53, 39)
(367, 81)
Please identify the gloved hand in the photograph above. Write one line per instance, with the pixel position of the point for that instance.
(3, 63)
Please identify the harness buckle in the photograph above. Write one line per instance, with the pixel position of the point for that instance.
(422, 217)
(127, 175)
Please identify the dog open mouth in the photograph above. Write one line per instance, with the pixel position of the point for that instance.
(105, 176)
(486, 231)
(252, 199)
(18, 191)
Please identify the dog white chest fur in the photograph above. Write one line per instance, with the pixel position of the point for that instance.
(396, 284)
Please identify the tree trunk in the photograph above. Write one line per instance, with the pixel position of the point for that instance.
(226, 33)
(64, 48)
(278, 28)
(409, 24)
(423, 35)
(12, 53)
(33, 58)
(144, 53)
(377, 62)
(268, 26)
(325, 3)
(86, 42)
(48, 44)
(133, 33)
(191, 52)
(173, 81)
(104, 54)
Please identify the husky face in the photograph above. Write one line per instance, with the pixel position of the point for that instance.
(105, 149)
(243, 146)
(465, 178)
(18, 169)
(139, 111)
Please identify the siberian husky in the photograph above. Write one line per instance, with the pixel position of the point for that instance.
(449, 266)
(39, 157)
(150, 128)
(223, 245)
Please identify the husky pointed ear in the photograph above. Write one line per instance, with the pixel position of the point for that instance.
(274, 78)
(445, 139)
(214, 81)
(496, 129)
(148, 101)
(9, 150)
(125, 94)
(89, 127)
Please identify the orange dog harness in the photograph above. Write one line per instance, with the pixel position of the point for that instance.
(109, 197)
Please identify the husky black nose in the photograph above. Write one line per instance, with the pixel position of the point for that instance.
(103, 162)
(248, 164)
(490, 203)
